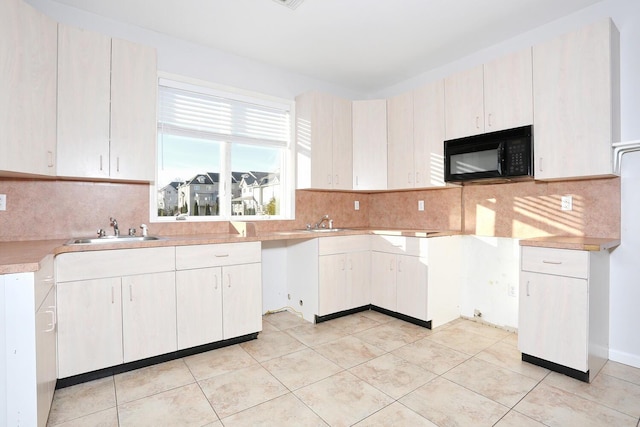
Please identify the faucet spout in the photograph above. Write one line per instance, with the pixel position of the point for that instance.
(323, 219)
(114, 224)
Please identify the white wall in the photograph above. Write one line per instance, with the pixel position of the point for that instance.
(198, 62)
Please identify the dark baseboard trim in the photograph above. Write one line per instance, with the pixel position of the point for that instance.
(570, 372)
(419, 322)
(320, 319)
(118, 369)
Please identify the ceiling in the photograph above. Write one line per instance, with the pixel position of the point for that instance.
(364, 45)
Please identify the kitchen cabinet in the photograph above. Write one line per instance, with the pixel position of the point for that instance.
(28, 345)
(344, 266)
(495, 96)
(28, 86)
(416, 136)
(576, 102)
(370, 144)
(324, 141)
(399, 280)
(106, 107)
(564, 310)
(114, 307)
(219, 292)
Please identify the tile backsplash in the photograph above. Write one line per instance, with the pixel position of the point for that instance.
(51, 209)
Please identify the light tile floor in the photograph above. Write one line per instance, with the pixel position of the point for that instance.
(366, 369)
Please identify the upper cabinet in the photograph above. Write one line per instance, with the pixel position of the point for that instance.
(107, 91)
(324, 141)
(490, 97)
(415, 138)
(576, 102)
(28, 86)
(370, 144)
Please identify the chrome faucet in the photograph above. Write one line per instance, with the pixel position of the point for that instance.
(323, 219)
(114, 224)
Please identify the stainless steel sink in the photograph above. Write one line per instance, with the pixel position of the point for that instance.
(110, 239)
(325, 230)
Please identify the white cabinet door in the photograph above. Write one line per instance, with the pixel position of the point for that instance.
(383, 280)
(241, 300)
(429, 135)
(400, 173)
(148, 315)
(332, 285)
(553, 319)
(358, 270)
(342, 152)
(84, 84)
(370, 144)
(89, 325)
(134, 87)
(464, 103)
(576, 96)
(199, 306)
(508, 92)
(28, 48)
(412, 286)
(46, 364)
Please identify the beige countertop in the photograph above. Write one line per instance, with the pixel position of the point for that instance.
(25, 256)
(572, 242)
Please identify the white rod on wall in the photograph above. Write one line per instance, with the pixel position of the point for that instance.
(621, 148)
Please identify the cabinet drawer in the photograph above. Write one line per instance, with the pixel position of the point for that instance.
(414, 246)
(560, 262)
(218, 255)
(343, 244)
(43, 280)
(121, 262)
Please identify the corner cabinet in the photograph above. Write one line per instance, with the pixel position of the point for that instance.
(28, 344)
(576, 80)
(219, 292)
(28, 86)
(324, 141)
(490, 97)
(107, 91)
(564, 310)
(114, 307)
(416, 126)
(370, 144)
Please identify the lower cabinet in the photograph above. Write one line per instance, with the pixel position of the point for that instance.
(27, 346)
(219, 292)
(344, 265)
(564, 310)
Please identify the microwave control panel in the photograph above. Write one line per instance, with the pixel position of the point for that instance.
(518, 154)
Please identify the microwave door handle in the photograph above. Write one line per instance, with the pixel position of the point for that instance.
(501, 159)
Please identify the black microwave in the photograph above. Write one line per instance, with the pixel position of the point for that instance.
(501, 155)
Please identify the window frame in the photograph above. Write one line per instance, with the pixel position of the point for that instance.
(287, 173)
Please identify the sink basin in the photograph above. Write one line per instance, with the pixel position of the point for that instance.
(110, 239)
(325, 230)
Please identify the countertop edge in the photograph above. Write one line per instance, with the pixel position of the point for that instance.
(572, 242)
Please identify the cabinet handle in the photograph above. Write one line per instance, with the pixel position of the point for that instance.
(53, 320)
(528, 288)
(342, 264)
(228, 280)
(489, 120)
(113, 298)
(329, 179)
(221, 255)
(399, 266)
(215, 281)
(117, 164)
(409, 178)
(417, 177)
(337, 181)
(50, 159)
(540, 164)
(356, 180)
(100, 162)
(545, 261)
(350, 264)
(477, 122)
(48, 279)
(130, 293)
(391, 265)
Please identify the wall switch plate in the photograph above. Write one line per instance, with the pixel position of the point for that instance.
(420, 205)
(511, 290)
(356, 205)
(567, 203)
(3, 202)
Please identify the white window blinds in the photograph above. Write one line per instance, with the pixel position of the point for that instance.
(209, 115)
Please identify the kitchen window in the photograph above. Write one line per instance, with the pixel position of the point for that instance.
(222, 154)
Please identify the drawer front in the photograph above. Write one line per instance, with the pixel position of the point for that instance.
(343, 244)
(114, 263)
(43, 280)
(217, 255)
(560, 262)
(415, 246)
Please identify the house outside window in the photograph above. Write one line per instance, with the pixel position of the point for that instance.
(222, 154)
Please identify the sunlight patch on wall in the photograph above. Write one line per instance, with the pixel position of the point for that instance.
(485, 220)
(543, 212)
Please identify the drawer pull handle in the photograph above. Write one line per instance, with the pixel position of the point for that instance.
(544, 261)
(222, 255)
(528, 288)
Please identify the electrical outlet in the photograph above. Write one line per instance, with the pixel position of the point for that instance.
(420, 205)
(511, 290)
(356, 205)
(567, 203)
(3, 202)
